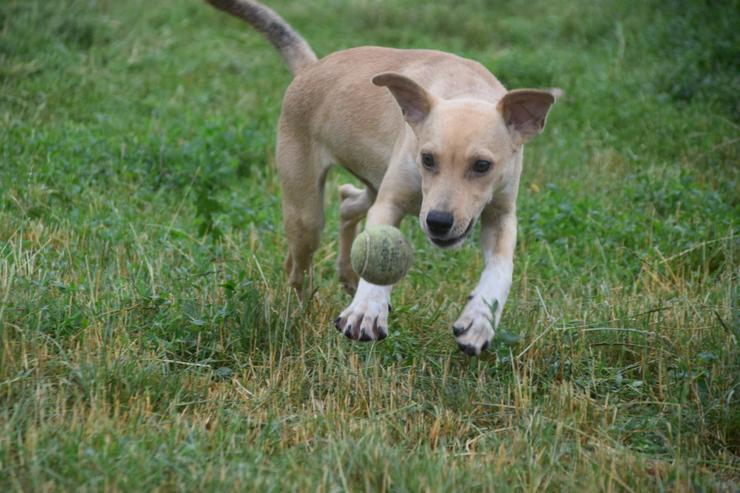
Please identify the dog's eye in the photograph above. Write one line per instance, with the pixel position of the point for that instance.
(427, 160)
(481, 166)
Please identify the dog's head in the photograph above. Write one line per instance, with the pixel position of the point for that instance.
(467, 150)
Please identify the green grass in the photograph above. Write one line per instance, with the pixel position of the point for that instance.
(148, 339)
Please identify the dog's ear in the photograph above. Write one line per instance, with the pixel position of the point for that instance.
(525, 111)
(414, 100)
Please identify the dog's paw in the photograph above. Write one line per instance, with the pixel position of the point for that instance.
(474, 329)
(366, 318)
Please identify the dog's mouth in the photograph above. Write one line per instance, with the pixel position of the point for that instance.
(452, 242)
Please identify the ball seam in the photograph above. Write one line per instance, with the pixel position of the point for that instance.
(367, 253)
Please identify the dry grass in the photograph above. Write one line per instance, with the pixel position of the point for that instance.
(147, 337)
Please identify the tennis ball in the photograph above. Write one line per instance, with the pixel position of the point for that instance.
(381, 255)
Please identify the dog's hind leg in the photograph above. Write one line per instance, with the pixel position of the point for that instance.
(302, 169)
(353, 208)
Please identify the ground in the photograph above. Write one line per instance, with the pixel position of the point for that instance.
(148, 339)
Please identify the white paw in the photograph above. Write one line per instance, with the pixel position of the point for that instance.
(474, 329)
(366, 318)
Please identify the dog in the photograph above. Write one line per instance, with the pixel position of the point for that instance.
(427, 133)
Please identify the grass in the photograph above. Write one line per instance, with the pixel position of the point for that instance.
(148, 340)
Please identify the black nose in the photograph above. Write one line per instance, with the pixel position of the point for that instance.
(439, 222)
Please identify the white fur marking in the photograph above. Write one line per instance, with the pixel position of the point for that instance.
(368, 310)
(477, 321)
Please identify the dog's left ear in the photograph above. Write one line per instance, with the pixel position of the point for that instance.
(414, 100)
(525, 111)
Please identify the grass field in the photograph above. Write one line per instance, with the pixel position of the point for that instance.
(148, 340)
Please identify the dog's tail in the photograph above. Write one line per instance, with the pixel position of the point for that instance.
(292, 47)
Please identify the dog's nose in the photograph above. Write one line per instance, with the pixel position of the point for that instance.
(439, 222)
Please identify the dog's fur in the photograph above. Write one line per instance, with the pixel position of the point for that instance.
(419, 128)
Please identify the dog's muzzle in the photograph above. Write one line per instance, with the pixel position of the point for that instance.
(451, 242)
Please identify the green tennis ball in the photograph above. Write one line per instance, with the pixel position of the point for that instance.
(381, 255)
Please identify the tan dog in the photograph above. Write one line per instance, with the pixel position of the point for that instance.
(428, 133)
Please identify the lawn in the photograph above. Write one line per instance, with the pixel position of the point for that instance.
(149, 341)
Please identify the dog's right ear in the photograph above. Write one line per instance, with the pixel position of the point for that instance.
(414, 100)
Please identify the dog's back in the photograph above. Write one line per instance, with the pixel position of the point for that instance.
(336, 102)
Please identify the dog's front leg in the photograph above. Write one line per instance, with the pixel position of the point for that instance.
(475, 327)
(366, 318)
